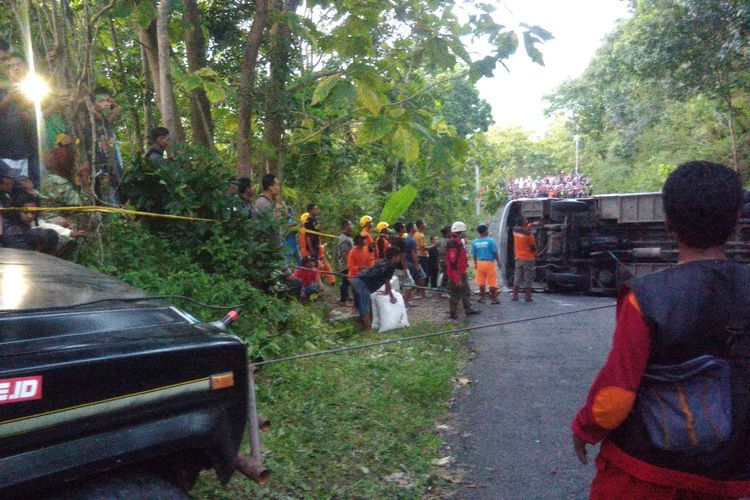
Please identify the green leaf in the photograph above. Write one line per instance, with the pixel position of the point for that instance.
(373, 129)
(405, 144)
(324, 88)
(506, 44)
(214, 91)
(539, 31)
(144, 13)
(369, 97)
(190, 81)
(397, 203)
(535, 54)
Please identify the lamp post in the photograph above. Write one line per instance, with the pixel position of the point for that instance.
(478, 186)
(577, 139)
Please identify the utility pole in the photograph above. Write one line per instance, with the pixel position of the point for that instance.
(478, 187)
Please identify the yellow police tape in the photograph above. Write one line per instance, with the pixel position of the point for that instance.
(310, 231)
(124, 211)
(109, 210)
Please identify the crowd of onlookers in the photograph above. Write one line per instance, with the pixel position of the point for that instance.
(551, 186)
(48, 164)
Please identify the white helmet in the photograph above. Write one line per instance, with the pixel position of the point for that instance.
(458, 227)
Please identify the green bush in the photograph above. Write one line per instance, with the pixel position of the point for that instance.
(233, 260)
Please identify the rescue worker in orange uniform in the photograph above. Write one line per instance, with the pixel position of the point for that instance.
(365, 223)
(383, 242)
(524, 246)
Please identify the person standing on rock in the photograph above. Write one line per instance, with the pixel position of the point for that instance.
(456, 264)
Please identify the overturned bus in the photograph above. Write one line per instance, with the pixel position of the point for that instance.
(594, 244)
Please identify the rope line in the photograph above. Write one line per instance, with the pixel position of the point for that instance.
(109, 210)
(423, 336)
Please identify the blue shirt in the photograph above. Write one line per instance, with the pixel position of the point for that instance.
(483, 248)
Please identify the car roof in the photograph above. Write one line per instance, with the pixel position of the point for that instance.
(32, 280)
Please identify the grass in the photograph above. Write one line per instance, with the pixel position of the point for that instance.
(343, 423)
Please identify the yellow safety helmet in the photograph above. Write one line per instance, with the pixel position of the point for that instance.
(381, 226)
(364, 220)
(303, 218)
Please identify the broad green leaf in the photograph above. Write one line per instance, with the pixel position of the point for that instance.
(405, 144)
(324, 88)
(206, 72)
(506, 44)
(397, 203)
(369, 97)
(342, 96)
(539, 31)
(396, 112)
(190, 81)
(214, 91)
(373, 129)
(535, 54)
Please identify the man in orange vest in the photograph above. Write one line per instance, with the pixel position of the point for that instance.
(524, 245)
(366, 222)
(382, 243)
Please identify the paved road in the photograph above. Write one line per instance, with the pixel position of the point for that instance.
(527, 381)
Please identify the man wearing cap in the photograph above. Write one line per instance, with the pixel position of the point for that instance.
(484, 251)
(456, 263)
(365, 223)
(382, 243)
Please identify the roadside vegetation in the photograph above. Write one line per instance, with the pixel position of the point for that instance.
(359, 424)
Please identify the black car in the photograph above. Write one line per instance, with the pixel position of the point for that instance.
(105, 392)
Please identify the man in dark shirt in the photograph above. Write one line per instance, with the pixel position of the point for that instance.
(17, 126)
(159, 137)
(372, 278)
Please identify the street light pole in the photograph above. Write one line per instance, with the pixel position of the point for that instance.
(478, 187)
(577, 139)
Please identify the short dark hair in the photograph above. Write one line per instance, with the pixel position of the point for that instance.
(419, 223)
(345, 222)
(242, 184)
(101, 90)
(358, 240)
(4, 45)
(22, 198)
(307, 259)
(399, 227)
(392, 252)
(310, 206)
(482, 228)
(409, 227)
(446, 231)
(157, 132)
(702, 201)
(267, 181)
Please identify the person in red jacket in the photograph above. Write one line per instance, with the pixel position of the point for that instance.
(456, 264)
(663, 405)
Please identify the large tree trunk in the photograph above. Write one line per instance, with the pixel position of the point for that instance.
(147, 93)
(137, 131)
(169, 112)
(247, 86)
(147, 37)
(277, 100)
(201, 122)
